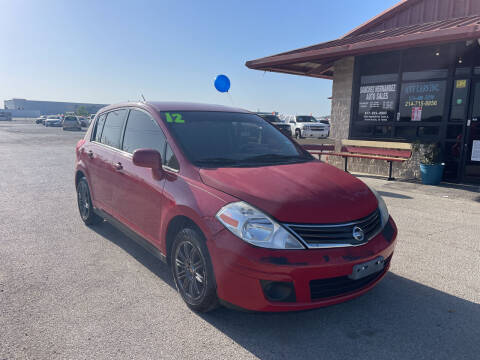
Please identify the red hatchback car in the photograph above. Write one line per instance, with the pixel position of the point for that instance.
(242, 214)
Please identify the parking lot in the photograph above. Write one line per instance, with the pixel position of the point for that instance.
(68, 291)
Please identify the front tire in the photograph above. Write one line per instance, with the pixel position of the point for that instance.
(85, 206)
(298, 134)
(192, 271)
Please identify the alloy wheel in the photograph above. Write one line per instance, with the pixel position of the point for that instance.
(190, 273)
(83, 200)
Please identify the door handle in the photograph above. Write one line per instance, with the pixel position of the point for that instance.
(90, 154)
(118, 166)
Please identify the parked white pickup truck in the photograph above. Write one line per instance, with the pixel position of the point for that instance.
(306, 126)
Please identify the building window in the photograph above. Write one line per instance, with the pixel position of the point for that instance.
(422, 101)
(467, 55)
(427, 59)
(377, 103)
(401, 95)
(459, 103)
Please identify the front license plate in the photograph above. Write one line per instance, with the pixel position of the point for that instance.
(367, 268)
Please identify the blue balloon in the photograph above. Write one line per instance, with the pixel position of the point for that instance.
(222, 83)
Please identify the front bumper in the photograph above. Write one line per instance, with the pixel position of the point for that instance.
(315, 133)
(241, 268)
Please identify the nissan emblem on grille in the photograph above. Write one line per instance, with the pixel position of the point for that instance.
(358, 234)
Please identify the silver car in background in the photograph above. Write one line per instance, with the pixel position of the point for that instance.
(71, 122)
(53, 121)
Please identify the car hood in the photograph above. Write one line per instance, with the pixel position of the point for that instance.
(312, 192)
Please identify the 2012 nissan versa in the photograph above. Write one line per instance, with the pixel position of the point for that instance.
(242, 214)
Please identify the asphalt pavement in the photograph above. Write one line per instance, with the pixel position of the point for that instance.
(68, 291)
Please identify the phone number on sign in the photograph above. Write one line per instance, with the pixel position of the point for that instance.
(421, 103)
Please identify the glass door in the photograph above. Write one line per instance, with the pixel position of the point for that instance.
(471, 170)
(453, 151)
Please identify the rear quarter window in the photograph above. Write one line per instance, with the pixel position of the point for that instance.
(97, 131)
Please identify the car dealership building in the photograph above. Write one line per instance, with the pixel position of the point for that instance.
(411, 74)
(33, 108)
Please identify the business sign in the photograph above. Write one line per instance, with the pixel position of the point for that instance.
(377, 102)
(422, 101)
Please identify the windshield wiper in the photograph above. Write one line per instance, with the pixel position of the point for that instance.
(217, 161)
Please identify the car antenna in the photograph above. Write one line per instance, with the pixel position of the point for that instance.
(143, 97)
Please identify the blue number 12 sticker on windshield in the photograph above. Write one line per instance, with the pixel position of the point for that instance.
(174, 118)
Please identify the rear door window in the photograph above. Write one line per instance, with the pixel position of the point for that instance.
(112, 130)
(142, 132)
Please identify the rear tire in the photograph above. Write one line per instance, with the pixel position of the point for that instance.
(192, 271)
(85, 206)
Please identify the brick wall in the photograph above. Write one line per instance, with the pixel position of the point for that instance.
(341, 99)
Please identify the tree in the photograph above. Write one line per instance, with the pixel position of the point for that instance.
(81, 111)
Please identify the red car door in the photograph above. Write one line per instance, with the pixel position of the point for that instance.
(98, 161)
(138, 197)
(100, 155)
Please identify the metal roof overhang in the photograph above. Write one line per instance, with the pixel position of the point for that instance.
(318, 60)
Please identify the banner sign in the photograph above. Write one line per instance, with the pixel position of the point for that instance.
(377, 102)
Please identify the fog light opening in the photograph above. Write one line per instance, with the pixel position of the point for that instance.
(278, 291)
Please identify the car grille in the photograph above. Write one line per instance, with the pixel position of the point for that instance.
(325, 288)
(316, 128)
(337, 235)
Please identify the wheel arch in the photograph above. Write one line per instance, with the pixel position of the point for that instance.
(78, 175)
(175, 224)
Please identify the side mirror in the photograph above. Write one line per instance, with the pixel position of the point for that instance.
(149, 158)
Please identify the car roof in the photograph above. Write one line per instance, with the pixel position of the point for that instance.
(178, 106)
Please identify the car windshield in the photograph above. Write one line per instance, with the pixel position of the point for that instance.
(70, 118)
(303, 119)
(227, 139)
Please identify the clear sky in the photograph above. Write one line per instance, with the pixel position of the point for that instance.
(112, 51)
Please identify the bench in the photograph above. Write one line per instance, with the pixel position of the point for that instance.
(378, 150)
(319, 149)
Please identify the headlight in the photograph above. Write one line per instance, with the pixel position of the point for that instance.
(256, 228)
(382, 207)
